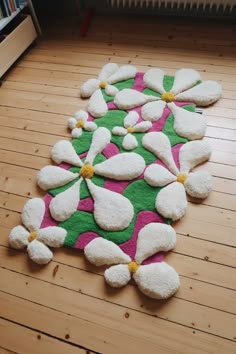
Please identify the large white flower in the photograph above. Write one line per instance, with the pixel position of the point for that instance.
(156, 280)
(110, 74)
(33, 237)
(187, 124)
(171, 201)
(131, 126)
(112, 211)
(80, 122)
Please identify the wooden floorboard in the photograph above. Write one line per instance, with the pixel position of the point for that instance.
(74, 311)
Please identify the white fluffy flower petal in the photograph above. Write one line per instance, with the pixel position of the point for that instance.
(39, 253)
(153, 111)
(18, 237)
(112, 211)
(184, 79)
(203, 94)
(153, 238)
(89, 87)
(65, 203)
(122, 167)
(142, 127)
(187, 124)
(117, 276)
(157, 280)
(33, 213)
(129, 142)
(125, 72)
(52, 177)
(128, 98)
(159, 144)
(158, 176)
(154, 80)
(97, 106)
(107, 70)
(72, 123)
(111, 90)
(198, 184)
(131, 119)
(63, 151)
(192, 154)
(103, 252)
(76, 132)
(52, 236)
(81, 114)
(101, 138)
(119, 131)
(171, 201)
(90, 126)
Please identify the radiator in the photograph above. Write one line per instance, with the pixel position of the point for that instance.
(201, 5)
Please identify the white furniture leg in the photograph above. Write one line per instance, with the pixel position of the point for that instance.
(34, 17)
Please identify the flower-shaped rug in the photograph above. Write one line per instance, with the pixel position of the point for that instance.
(125, 176)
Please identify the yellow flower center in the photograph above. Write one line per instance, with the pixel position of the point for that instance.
(102, 84)
(168, 97)
(87, 171)
(181, 178)
(133, 267)
(32, 236)
(130, 130)
(80, 123)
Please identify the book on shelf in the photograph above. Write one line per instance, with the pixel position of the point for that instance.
(13, 9)
(10, 6)
(4, 8)
(7, 7)
(15, 4)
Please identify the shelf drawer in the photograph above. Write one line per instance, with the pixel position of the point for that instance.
(16, 43)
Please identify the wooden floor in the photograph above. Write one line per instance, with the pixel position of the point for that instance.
(72, 311)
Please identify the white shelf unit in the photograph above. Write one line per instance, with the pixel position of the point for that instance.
(20, 38)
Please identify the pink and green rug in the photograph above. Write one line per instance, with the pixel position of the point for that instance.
(125, 176)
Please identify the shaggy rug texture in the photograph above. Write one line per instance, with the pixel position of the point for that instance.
(125, 176)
